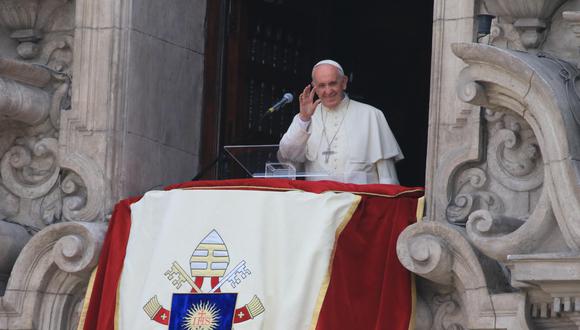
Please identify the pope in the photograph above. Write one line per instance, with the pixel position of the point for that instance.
(337, 137)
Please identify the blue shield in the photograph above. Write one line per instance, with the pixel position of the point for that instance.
(202, 311)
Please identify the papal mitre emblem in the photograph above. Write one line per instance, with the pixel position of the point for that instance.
(210, 258)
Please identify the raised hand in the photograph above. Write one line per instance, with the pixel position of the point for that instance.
(307, 103)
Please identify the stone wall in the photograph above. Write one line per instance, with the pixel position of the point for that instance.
(99, 100)
(164, 82)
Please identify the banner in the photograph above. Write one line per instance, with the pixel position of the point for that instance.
(260, 254)
(273, 247)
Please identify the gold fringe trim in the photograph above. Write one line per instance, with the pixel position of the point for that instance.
(420, 214)
(289, 189)
(420, 209)
(117, 303)
(326, 280)
(87, 299)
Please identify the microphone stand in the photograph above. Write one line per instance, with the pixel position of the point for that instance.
(287, 98)
(220, 158)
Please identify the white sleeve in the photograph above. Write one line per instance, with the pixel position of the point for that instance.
(387, 171)
(293, 143)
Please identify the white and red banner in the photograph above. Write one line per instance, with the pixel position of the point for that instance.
(273, 247)
(299, 255)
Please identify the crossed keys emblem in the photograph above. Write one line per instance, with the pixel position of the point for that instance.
(210, 260)
(178, 276)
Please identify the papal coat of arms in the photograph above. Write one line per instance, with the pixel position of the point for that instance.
(209, 262)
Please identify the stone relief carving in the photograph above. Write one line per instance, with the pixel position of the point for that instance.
(511, 190)
(39, 185)
(504, 35)
(438, 307)
(516, 89)
(468, 197)
(560, 37)
(513, 155)
(441, 253)
(512, 171)
(448, 315)
(495, 194)
(510, 197)
(529, 17)
(58, 260)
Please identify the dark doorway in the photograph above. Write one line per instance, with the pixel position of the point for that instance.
(264, 48)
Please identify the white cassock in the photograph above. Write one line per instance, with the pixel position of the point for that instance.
(351, 143)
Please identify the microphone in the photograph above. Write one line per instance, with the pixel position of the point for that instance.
(287, 98)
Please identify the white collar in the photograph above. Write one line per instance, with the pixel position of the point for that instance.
(341, 107)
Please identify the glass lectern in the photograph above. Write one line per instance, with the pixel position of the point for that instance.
(261, 161)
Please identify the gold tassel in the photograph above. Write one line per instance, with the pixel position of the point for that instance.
(152, 307)
(255, 307)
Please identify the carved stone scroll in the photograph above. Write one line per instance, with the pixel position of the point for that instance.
(57, 260)
(539, 89)
(440, 253)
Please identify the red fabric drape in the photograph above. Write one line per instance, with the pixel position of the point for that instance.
(369, 289)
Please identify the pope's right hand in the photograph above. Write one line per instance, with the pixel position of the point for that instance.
(307, 103)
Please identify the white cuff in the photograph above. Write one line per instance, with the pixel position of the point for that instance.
(303, 124)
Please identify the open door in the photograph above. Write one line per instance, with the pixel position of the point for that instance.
(268, 47)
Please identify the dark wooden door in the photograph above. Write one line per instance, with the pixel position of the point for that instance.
(270, 45)
(259, 49)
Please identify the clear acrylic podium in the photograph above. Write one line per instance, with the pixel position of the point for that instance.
(261, 161)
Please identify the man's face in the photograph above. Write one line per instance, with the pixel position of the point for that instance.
(329, 85)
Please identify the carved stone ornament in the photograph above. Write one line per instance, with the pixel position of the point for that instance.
(440, 253)
(555, 280)
(573, 18)
(530, 17)
(504, 35)
(541, 91)
(495, 195)
(53, 271)
(40, 185)
(44, 186)
(447, 313)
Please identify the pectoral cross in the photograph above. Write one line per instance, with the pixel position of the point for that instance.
(327, 154)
